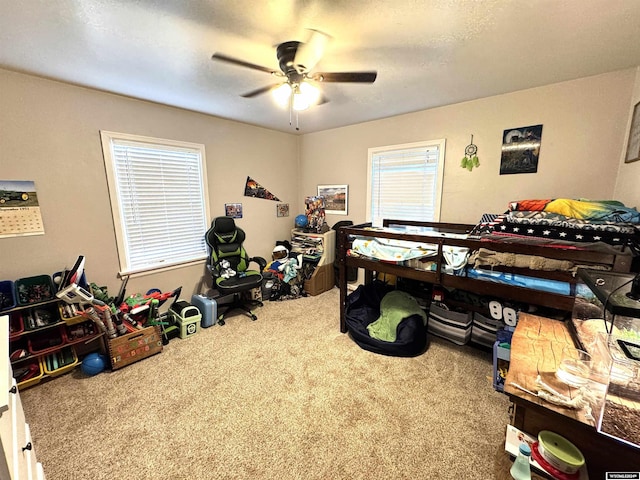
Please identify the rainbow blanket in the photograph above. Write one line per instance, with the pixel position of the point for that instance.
(592, 210)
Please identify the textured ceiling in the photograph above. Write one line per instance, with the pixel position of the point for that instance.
(428, 53)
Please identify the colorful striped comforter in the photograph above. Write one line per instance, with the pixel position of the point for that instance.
(592, 210)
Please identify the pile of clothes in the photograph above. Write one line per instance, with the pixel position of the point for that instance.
(283, 275)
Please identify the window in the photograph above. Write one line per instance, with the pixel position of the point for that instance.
(405, 182)
(159, 200)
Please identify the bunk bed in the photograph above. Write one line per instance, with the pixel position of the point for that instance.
(425, 259)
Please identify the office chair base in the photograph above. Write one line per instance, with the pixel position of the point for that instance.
(240, 305)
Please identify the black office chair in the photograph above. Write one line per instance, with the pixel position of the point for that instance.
(228, 264)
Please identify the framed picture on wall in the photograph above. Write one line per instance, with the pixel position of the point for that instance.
(633, 143)
(282, 210)
(335, 198)
(233, 210)
(520, 150)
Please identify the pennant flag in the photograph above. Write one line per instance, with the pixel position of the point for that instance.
(254, 189)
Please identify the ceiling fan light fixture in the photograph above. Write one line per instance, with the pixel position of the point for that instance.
(299, 96)
(300, 101)
(305, 95)
(282, 94)
(311, 92)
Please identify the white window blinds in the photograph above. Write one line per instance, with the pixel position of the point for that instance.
(405, 181)
(159, 200)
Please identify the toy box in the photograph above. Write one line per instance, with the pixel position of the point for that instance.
(134, 346)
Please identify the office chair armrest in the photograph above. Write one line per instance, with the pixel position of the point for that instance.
(260, 261)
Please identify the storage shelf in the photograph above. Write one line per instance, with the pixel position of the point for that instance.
(27, 307)
(44, 353)
(323, 246)
(61, 329)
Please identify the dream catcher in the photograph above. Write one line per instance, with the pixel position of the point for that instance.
(470, 158)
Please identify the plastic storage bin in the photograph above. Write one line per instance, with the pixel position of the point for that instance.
(36, 289)
(42, 342)
(79, 330)
(16, 327)
(60, 362)
(68, 315)
(29, 374)
(39, 317)
(7, 295)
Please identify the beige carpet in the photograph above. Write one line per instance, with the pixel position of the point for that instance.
(285, 397)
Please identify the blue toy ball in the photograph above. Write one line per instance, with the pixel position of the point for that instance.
(302, 221)
(93, 364)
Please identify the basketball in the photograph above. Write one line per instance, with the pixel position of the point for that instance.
(93, 364)
(302, 221)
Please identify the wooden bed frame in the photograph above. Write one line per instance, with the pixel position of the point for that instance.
(589, 254)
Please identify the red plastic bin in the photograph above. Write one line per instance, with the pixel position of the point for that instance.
(42, 342)
(16, 327)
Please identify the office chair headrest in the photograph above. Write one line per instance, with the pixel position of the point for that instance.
(223, 225)
(224, 230)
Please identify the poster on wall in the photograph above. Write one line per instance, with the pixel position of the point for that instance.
(233, 210)
(254, 189)
(19, 209)
(315, 213)
(520, 150)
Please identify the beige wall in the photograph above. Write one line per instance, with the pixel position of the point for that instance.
(49, 133)
(627, 186)
(584, 127)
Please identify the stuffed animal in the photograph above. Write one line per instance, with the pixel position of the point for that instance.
(291, 270)
(225, 270)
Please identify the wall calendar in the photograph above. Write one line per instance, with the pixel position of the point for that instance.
(19, 209)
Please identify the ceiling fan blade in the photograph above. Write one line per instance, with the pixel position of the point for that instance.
(310, 53)
(345, 77)
(260, 91)
(234, 61)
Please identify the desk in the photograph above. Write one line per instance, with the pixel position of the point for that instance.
(536, 347)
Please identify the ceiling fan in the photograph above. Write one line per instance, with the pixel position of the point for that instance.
(298, 89)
